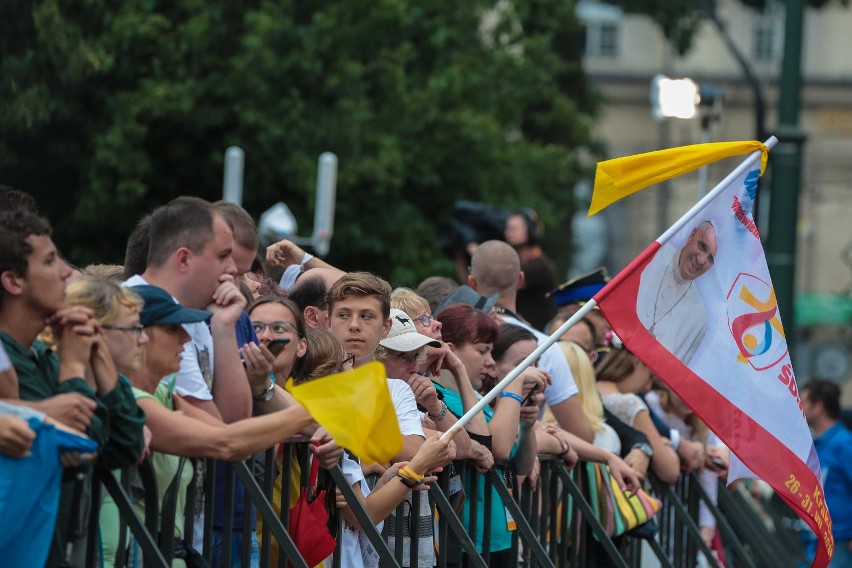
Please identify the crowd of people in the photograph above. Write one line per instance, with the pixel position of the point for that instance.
(183, 351)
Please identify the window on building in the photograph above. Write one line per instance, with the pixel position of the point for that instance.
(767, 35)
(602, 24)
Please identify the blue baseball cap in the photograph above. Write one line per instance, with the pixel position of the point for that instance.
(161, 308)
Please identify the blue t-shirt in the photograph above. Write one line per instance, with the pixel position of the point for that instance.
(245, 334)
(834, 449)
(501, 536)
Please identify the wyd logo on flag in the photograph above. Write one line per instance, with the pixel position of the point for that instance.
(754, 323)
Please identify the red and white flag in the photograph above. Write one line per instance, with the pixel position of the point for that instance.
(698, 307)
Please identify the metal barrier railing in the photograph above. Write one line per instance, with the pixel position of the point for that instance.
(556, 524)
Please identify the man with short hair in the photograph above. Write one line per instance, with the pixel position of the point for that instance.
(310, 291)
(496, 268)
(359, 316)
(833, 443)
(32, 292)
(190, 256)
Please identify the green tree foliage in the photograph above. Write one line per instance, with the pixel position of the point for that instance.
(109, 109)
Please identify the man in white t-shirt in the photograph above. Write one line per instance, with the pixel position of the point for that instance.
(496, 268)
(190, 256)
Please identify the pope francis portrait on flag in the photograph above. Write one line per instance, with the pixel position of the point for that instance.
(668, 303)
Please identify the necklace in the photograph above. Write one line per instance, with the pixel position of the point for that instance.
(654, 319)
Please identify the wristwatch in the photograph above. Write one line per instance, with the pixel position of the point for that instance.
(266, 396)
(442, 414)
(644, 448)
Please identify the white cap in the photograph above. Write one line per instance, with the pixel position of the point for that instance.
(403, 336)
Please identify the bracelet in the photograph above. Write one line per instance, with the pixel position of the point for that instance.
(406, 473)
(442, 414)
(405, 481)
(511, 395)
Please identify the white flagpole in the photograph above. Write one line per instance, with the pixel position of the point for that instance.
(588, 306)
(531, 358)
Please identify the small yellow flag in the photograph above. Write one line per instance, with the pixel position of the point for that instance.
(356, 409)
(620, 177)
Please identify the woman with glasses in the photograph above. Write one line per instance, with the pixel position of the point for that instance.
(145, 337)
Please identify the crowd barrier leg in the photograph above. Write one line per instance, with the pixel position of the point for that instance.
(687, 522)
(270, 519)
(452, 522)
(730, 537)
(523, 525)
(150, 551)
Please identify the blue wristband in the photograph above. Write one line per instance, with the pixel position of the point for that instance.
(512, 395)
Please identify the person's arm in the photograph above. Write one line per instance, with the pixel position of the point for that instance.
(286, 253)
(570, 416)
(665, 461)
(627, 478)
(231, 392)
(426, 395)
(432, 455)
(181, 435)
(454, 365)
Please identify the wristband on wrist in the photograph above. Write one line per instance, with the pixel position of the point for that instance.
(441, 414)
(512, 395)
(410, 477)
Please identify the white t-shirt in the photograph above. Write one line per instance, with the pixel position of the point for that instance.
(356, 551)
(195, 377)
(405, 405)
(553, 361)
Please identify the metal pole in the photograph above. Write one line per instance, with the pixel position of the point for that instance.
(232, 186)
(787, 171)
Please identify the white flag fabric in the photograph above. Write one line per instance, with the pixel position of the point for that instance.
(699, 309)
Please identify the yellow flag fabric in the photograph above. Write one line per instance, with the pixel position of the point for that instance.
(620, 177)
(356, 409)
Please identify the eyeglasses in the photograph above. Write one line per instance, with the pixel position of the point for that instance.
(137, 329)
(426, 319)
(276, 327)
(350, 359)
(407, 358)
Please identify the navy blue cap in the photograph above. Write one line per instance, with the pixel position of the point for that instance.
(580, 289)
(161, 308)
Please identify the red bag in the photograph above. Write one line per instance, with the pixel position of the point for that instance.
(309, 521)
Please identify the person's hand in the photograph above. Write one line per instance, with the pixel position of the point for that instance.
(340, 500)
(638, 461)
(433, 453)
(535, 377)
(482, 457)
(76, 327)
(530, 411)
(691, 454)
(627, 479)
(70, 408)
(228, 302)
(284, 253)
(103, 366)
(717, 459)
(16, 437)
(373, 468)
(706, 534)
(435, 359)
(425, 393)
(258, 361)
(327, 452)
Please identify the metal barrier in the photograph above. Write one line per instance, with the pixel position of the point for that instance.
(556, 525)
